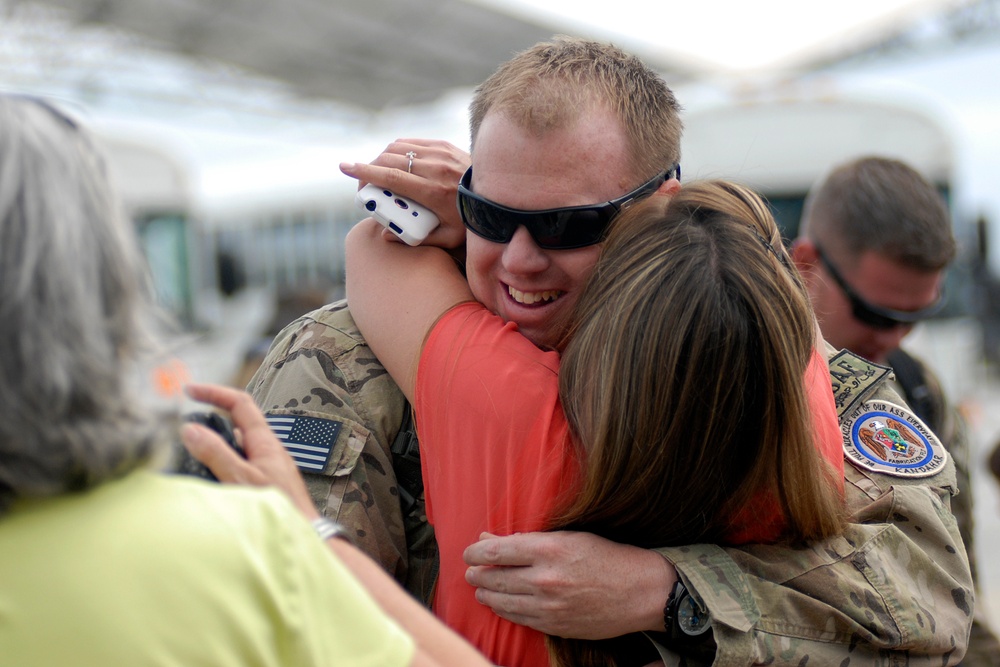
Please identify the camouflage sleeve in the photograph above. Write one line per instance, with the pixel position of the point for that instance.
(319, 367)
(954, 435)
(895, 587)
(984, 646)
(896, 582)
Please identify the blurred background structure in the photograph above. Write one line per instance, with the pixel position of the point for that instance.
(225, 120)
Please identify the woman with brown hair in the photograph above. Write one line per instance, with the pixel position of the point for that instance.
(683, 389)
(686, 355)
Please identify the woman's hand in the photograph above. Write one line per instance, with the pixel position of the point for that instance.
(432, 180)
(266, 463)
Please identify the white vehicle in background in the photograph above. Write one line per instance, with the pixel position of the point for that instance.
(154, 188)
(781, 143)
(199, 256)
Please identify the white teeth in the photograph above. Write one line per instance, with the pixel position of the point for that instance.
(529, 298)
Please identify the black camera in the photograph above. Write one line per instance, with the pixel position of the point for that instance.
(188, 465)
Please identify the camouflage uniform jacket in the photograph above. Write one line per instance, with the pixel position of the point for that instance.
(895, 589)
(320, 368)
(922, 390)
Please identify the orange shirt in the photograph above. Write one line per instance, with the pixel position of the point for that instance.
(497, 456)
(826, 425)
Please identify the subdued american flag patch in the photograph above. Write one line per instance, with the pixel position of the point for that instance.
(308, 439)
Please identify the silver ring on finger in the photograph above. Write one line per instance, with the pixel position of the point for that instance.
(409, 165)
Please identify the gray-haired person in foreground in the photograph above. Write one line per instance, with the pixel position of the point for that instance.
(104, 560)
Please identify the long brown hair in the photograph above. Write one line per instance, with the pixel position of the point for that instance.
(683, 377)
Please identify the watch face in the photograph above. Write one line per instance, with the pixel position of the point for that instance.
(691, 619)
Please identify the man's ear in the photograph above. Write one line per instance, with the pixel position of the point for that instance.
(805, 255)
(669, 188)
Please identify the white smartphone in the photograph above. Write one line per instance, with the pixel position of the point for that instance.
(407, 219)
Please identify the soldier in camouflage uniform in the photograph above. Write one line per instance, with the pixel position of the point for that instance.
(874, 244)
(851, 597)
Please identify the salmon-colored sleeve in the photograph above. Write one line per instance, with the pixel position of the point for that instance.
(826, 426)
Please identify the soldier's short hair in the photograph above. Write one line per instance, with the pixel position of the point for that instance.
(548, 85)
(882, 205)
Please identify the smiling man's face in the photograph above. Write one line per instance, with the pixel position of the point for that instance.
(586, 163)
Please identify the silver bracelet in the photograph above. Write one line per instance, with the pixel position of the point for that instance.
(327, 529)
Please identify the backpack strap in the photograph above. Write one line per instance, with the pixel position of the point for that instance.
(406, 462)
(912, 378)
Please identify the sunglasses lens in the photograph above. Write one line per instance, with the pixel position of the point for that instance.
(869, 315)
(569, 229)
(552, 230)
(493, 224)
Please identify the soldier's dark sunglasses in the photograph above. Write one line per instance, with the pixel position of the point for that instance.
(554, 228)
(875, 316)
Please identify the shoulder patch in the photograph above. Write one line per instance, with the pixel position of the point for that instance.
(309, 440)
(853, 378)
(887, 438)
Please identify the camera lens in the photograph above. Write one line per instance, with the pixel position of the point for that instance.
(401, 204)
(371, 205)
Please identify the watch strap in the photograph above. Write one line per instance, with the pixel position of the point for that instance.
(670, 609)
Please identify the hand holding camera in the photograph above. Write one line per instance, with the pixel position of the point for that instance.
(188, 465)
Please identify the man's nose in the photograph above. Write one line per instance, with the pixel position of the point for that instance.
(522, 255)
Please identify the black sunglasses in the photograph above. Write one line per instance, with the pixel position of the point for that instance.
(875, 316)
(554, 228)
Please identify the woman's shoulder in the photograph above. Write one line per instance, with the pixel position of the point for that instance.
(471, 330)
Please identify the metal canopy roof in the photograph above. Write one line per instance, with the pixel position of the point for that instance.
(369, 53)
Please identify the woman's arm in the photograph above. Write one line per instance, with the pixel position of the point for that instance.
(396, 294)
(436, 643)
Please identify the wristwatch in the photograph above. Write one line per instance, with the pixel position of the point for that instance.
(684, 616)
(327, 529)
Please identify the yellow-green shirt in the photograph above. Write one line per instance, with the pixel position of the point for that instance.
(162, 570)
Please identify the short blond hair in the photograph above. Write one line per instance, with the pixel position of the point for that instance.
(550, 84)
